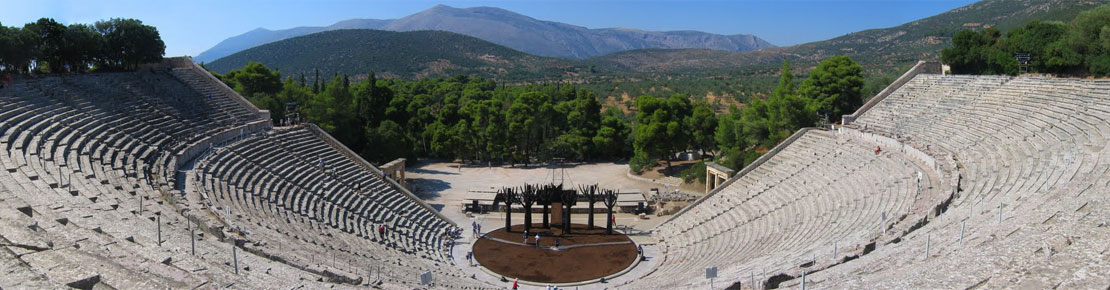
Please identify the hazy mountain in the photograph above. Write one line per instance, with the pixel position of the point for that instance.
(410, 55)
(261, 36)
(544, 38)
(879, 50)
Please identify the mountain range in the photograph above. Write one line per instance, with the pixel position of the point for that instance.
(391, 54)
(513, 30)
(696, 72)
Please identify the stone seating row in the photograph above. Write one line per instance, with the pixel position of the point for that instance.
(289, 186)
(820, 192)
(1033, 157)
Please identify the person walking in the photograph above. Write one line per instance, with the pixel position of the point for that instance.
(515, 285)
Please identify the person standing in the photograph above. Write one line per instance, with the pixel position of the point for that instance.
(515, 286)
(537, 240)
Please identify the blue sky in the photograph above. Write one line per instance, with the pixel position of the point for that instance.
(190, 27)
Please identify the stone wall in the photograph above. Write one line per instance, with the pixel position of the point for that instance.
(396, 170)
(193, 150)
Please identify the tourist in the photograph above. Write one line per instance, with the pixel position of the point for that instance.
(381, 231)
(515, 285)
(556, 242)
(537, 240)
(470, 258)
(525, 237)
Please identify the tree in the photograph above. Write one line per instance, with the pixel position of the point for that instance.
(786, 81)
(569, 198)
(728, 133)
(765, 123)
(702, 125)
(390, 142)
(254, 79)
(16, 51)
(1039, 39)
(1090, 37)
(528, 197)
(509, 196)
(82, 46)
(834, 86)
(612, 136)
(525, 123)
(610, 198)
(46, 38)
(659, 126)
(583, 118)
(979, 53)
(129, 43)
(591, 195)
(547, 196)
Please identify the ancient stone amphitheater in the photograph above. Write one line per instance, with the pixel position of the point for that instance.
(165, 178)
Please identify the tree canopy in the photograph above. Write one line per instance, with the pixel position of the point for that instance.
(1080, 47)
(49, 46)
(471, 119)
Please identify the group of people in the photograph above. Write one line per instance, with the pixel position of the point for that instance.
(453, 232)
(476, 228)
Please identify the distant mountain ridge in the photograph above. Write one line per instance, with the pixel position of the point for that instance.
(882, 50)
(409, 55)
(510, 29)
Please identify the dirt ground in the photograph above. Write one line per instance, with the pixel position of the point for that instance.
(551, 266)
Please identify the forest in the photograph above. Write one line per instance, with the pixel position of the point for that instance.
(473, 120)
(50, 47)
(1079, 47)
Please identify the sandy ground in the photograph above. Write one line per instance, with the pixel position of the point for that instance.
(444, 185)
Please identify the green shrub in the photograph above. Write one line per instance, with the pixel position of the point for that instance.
(696, 171)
